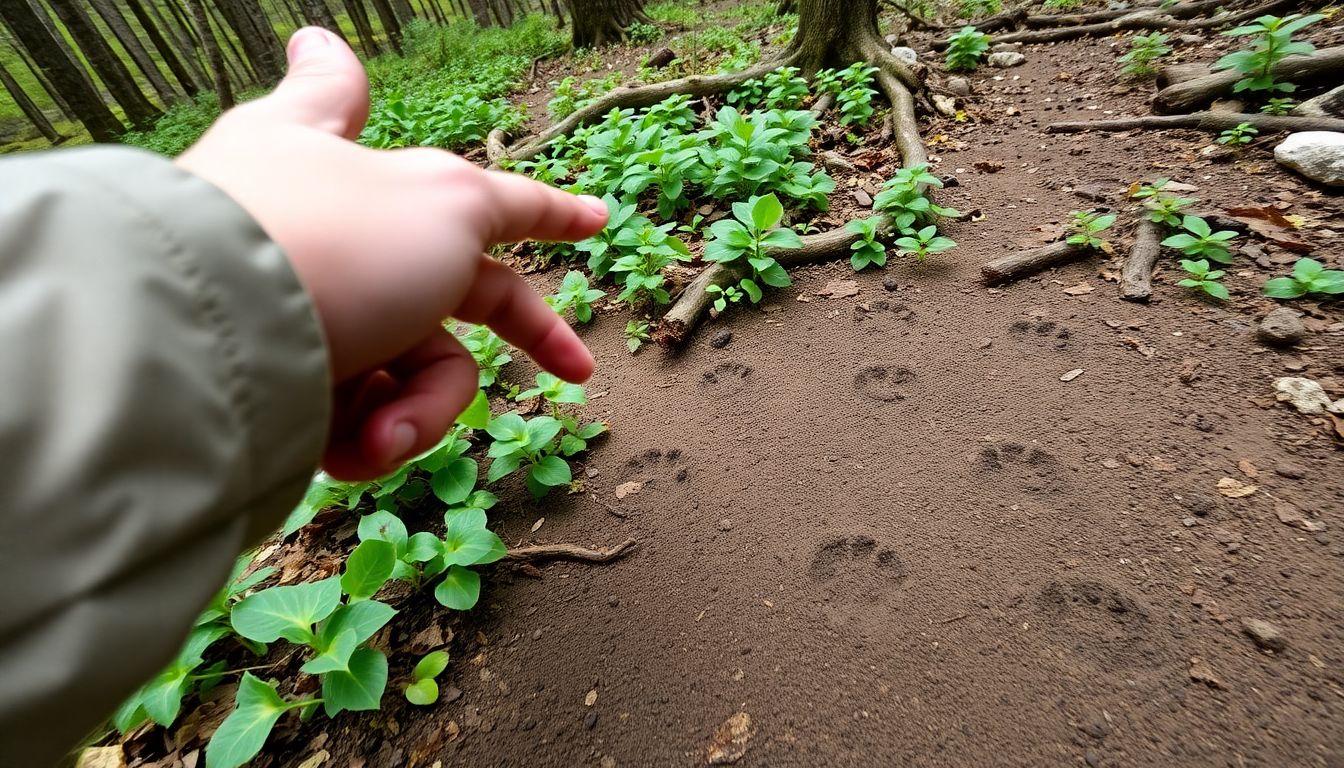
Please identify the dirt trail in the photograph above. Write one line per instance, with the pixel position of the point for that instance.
(883, 526)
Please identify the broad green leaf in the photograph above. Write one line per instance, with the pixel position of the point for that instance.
(1283, 288)
(782, 238)
(766, 213)
(422, 693)
(368, 568)
(1197, 225)
(421, 547)
(459, 590)
(335, 657)
(1306, 268)
(503, 466)
(541, 430)
(383, 526)
(286, 612)
(358, 689)
(431, 666)
(507, 426)
(243, 733)
(454, 482)
(1216, 290)
(468, 542)
(364, 619)
(129, 715)
(477, 415)
(551, 471)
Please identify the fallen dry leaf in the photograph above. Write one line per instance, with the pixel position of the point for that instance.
(1292, 516)
(1079, 289)
(537, 524)
(840, 289)
(1138, 346)
(730, 740)
(590, 699)
(317, 759)
(1071, 375)
(430, 638)
(102, 757)
(1160, 464)
(1248, 469)
(628, 489)
(1201, 672)
(1235, 489)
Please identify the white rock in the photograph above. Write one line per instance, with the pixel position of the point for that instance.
(946, 105)
(906, 56)
(1306, 395)
(1318, 155)
(1328, 104)
(1004, 59)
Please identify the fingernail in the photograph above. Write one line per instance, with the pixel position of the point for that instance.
(306, 41)
(403, 441)
(594, 204)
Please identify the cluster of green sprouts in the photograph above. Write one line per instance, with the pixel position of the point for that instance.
(965, 48)
(1272, 41)
(1143, 51)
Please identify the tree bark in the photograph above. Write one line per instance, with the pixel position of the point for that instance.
(318, 14)
(181, 72)
(603, 22)
(119, 82)
(1212, 122)
(1136, 277)
(405, 13)
(254, 31)
(388, 19)
(29, 108)
(66, 76)
(1325, 64)
(130, 42)
(214, 55)
(502, 11)
(38, 74)
(480, 10)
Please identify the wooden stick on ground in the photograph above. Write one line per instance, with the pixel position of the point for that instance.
(1326, 64)
(1203, 121)
(542, 552)
(1023, 263)
(1136, 277)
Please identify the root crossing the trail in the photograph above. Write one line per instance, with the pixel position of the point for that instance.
(1213, 122)
(1182, 91)
(545, 552)
(1157, 20)
(1136, 277)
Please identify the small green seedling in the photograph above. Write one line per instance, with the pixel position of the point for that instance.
(575, 294)
(866, 250)
(534, 443)
(964, 49)
(1309, 276)
(1278, 106)
(924, 242)
(1167, 209)
(1086, 225)
(1143, 51)
(723, 296)
(636, 333)
(1242, 133)
(1199, 240)
(423, 690)
(904, 197)
(753, 229)
(1204, 279)
(1273, 41)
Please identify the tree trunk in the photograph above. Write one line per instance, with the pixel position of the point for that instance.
(109, 67)
(388, 19)
(180, 71)
(559, 13)
(318, 14)
(480, 10)
(261, 45)
(602, 22)
(29, 107)
(359, 16)
(502, 12)
(135, 49)
(66, 76)
(822, 41)
(38, 74)
(179, 24)
(213, 54)
(403, 10)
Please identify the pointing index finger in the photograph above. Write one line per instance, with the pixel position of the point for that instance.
(524, 209)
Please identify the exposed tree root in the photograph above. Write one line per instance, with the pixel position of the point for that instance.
(1010, 19)
(1180, 73)
(1203, 121)
(694, 302)
(1016, 265)
(1182, 11)
(543, 552)
(1136, 277)
(1326, 64)
(1147, 19)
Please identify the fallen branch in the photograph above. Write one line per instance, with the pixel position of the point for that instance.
(495, 149)
(1016, 265)
(1325, 64)
(543, 552)
(1183, 11)
(1146, 19)
(1180, 73)
(1136, 277)
(1213, 122)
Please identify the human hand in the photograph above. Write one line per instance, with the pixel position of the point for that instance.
(389, 244)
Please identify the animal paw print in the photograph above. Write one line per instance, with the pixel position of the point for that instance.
(884, 383)
(655, 464)
(1040, 332)
(1036, 470)
(730, 375)
(883, 312)
(1097, 621)
(859, 580)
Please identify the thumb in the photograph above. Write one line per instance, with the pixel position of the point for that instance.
(326, 87)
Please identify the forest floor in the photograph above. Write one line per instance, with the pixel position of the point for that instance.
(879, 522)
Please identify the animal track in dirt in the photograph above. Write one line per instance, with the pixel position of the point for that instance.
(884, 383)
(882, 312)
(656, 465)
(1040, 333)
(1036, 469)
(730, 375)
(859, 579)
(1097, 620)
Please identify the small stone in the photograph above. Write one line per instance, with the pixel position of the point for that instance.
(1265, 634)
(1189, 39)
(1190, 522)
(1318, 155)
(730, 741)
(662, 58)
(951, 181)
(1005, 59)
(725, 524)
(958, 86)
(721, 339)
(1092, 758)
(1290, 470)
(1282, 328)
(590, 719)
(996, 47)
(1306, 395)
(906, 56)
(1097, 730)
(890, 283)
(863, 198)
(984, 343)
(1201, 672)
(946, 105)
(536, 634)
(1199, 504)
(1291, 516)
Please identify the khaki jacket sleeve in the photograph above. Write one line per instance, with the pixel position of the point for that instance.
(164, 397)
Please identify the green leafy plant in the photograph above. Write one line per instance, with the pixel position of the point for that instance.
(640, 33)
(642, 269)
(674, 13)
(258, 707)
(754, 228)
(1271, 42)
(1278, 106)
(1143, 51)
(451, 122)
(1238, 135)
(733, 294)
(622, 231)
(904, 198)
(1086, 225)
(780, 89)
(852, 89)
(866, 250)
(487, 349)
(636, 334)
(1309, 276)
(571, 95)
(1204, 279)
(927, 240)
(423, 690)
(1201, 241)
(575, 294)
(1061, 5)
(539, 445)
(1167, 209)
(964, 49)
(975, 9)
